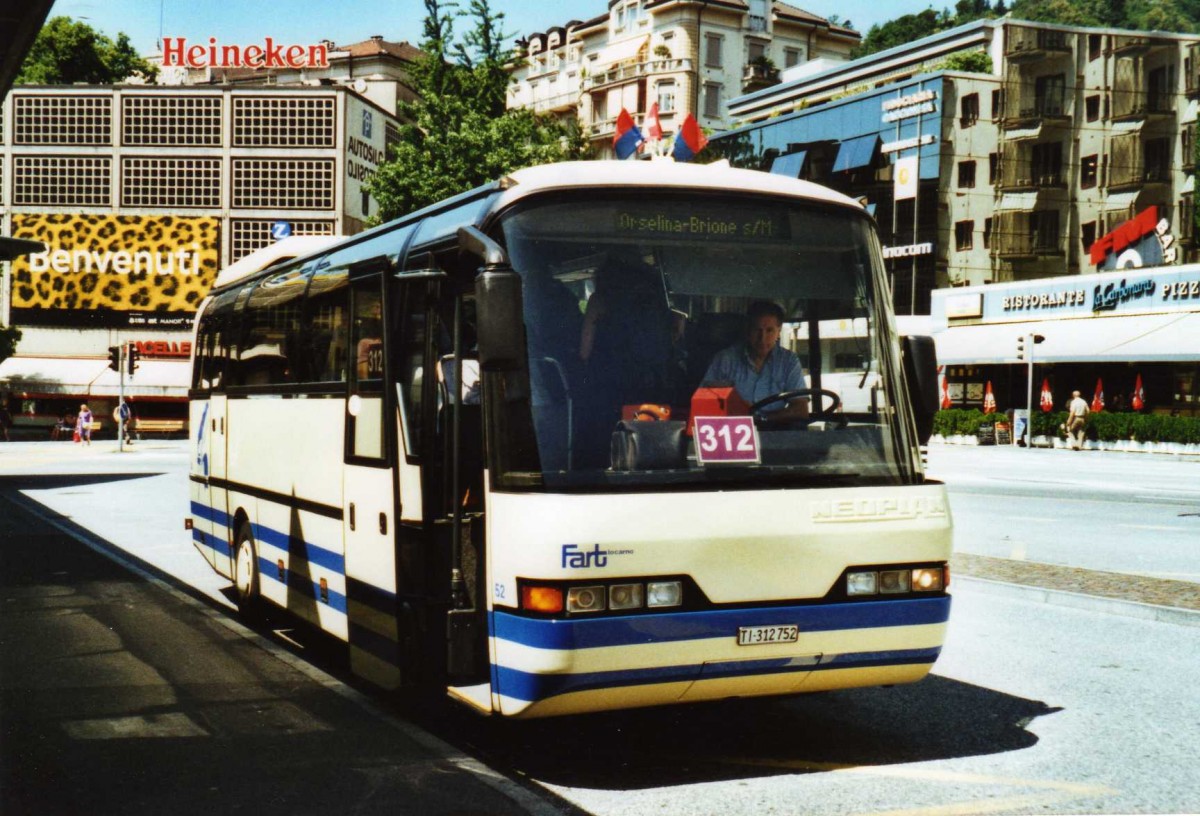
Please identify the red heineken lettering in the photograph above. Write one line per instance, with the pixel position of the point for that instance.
(177, 53)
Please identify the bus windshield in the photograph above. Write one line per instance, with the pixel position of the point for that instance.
(641, 312)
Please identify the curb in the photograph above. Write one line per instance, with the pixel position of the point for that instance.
(1090, 603)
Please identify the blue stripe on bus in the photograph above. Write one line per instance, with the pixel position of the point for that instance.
(303, 585)
(580, 633)
(212, 514)
(311, 553)
(530, 687)
(210, 542)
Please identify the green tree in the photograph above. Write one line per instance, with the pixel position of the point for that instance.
(9, 337)
(459, 133)
(66, 51)
(903, 29)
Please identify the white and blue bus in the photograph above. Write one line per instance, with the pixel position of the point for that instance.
(479, 445)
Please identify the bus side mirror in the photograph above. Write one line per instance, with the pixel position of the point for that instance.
(499, 312)
(919, 357)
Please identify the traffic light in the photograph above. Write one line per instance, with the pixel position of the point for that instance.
(114, 358)
(131, 357)
(1021, 347)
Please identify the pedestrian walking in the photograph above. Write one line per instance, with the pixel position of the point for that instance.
(1077, 412)
(83, 425)
(125, 417)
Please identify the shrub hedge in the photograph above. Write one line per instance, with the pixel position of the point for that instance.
(1103, 426)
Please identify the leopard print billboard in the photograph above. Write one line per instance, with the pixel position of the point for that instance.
(112, 265)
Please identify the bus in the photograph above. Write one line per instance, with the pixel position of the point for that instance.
(480, 446)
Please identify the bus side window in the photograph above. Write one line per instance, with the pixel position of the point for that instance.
(367, 342)
(410, 364)
(326, 347)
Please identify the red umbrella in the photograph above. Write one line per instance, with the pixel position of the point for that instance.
(1047, 402)
(1139, 399)
(1098, 397)
(989, 400)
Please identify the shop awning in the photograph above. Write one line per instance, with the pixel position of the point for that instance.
(856, 153)
(1189, 186)
(49, 375)
(1022, 133)
(153, 378)
(789, 165)
(1173, 337)
(621, 52)
(91, 377)
(1121, 201)
(1128, 126)
(1018, 201)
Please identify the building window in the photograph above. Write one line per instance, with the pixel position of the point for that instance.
(712, 100)
(1158, 159)
(966, 173)
(63, 181)
(249, 235)
(993, 168)
(1095, 46)
(301, 184)
(183, 121)
(666, 97)
(84, 119)
(997, 104)
(1050, 93)
(170, 182)
(1089, 171)
(791, 56)
(987, 233)
(1091, 106)
(712, 50)
(755, 51)
(1087, 235)
(289, 121)
(1044, 225)
(970, 110)
(1046, 164)
(964, 235)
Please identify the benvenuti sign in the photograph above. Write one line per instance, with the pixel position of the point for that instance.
(113, 270)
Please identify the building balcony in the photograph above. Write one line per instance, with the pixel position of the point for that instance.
(634, 70)
(758, 76)
(1131, 46)
(560, 103)
(1130, 104)
(1029, 45)
(1030, 113)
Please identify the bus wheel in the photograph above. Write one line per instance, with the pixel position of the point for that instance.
(245, 575)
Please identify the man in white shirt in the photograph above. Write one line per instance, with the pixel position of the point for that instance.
(1076, 420)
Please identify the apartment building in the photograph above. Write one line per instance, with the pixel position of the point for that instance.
(686, 55)
(1027, 164)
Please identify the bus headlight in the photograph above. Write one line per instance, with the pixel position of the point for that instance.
(625, 596)
(895, 581)
(664, 593)
(585, 599)
(927, 579)
(862, 583)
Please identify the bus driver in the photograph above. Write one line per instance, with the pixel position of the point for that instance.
(760, 367)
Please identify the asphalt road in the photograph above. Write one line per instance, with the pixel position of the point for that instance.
(1031, 708)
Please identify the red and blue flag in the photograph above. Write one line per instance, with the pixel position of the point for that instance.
(689, 140)
(628, 139)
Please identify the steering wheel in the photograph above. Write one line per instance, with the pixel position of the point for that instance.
(820, 415)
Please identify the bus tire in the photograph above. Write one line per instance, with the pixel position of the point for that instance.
(245, 575)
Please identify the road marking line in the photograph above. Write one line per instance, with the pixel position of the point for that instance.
(1168, 528)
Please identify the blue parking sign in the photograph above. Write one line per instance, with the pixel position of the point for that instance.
(280, 230)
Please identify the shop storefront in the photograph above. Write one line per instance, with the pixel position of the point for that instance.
(1099, 334)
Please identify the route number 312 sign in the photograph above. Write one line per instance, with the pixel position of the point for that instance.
(726, 440)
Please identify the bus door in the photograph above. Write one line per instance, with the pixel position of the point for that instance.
(369, 515)
(208, 428)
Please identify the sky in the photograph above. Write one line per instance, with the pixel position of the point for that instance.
(244, 22)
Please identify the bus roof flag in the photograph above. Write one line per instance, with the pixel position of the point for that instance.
(689, 141)
(628, 138)
(652, 123)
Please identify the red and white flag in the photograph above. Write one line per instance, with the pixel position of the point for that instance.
(1047, 401)
(989, 399)
(1098, 397)
(1139, 399)
(946, 402)
(652, 127)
